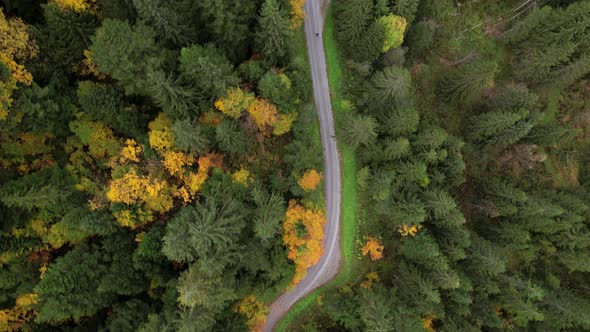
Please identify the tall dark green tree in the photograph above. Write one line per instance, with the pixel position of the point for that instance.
(273, 34)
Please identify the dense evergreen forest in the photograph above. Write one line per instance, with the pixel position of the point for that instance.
(161, 169)
(473, 144)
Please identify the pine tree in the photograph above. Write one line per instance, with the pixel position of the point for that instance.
(203, 230)
(359, 130)
(65, 36)
(375, 309)
(268, 215)
(168, 18)
(208, 291)
(395, 149)
(489, 124)
(422, 37)
(190, 137)
(390, 84)
(354, 18)
(69, 290)
(207, 69)
(400, 121)
(467, 82)
(547, 135)
(231, 138)
(274, 34)
(128, 315)
(228, 24)
(177, 100)
(126, 53)
(405, 8)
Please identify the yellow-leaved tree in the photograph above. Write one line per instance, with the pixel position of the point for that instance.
(284, 123)
(405, 230)
(255, 312)
(15, 44)
(130, 152)
(174, 161)
(161, 137)
(303, 232)
(76, 5)
(310, 180)
(242, 177)
(373, 248)
(13, 319)
(133, 189)
(235, 102)
(263, 113)
(297, 13)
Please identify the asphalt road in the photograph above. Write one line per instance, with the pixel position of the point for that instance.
(329, 264)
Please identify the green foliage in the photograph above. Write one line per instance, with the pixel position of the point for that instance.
(69, 290)
(168, 19)
(208, 70)
(176, 99)
(405, 8)
(268, 214)
(277, 89)
(63, 38)
(467, 82)
(44, 109)
(126, 53)
(41, 190)
(391, 84)
(354, 17)
(208, 291)
(203, 230)
(190, 137)
(128, 316)
(231, 138)
(227, 25)
(359, 130)
(422, 37)
(273, 35)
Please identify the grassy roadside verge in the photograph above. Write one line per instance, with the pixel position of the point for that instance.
(349, 195)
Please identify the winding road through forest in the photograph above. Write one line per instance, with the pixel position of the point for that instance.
(329, 264)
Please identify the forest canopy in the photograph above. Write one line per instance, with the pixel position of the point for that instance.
(161, 166)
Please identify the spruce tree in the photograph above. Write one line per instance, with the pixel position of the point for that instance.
(273, 35)
(467, 82)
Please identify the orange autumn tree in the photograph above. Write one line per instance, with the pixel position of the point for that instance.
(15, 44)
(303, 232)
(310, 180)
(373, 248)
(255, 312)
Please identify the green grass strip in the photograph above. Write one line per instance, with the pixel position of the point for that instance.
(349, 196)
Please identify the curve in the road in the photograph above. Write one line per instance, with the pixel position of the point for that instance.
(329, 264)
